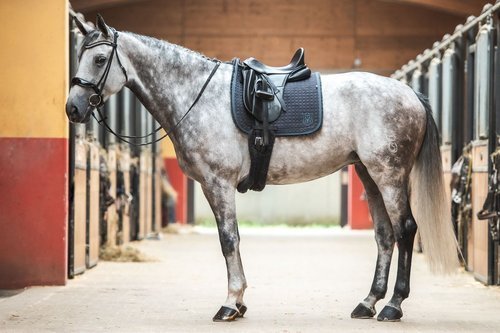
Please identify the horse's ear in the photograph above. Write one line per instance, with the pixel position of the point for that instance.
(102, 26)
(83, 27)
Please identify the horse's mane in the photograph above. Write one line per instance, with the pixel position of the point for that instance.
(155, 43)
(163, 45)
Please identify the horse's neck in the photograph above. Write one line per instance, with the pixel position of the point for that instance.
(165, 77)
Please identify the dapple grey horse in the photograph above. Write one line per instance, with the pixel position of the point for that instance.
(376, 123)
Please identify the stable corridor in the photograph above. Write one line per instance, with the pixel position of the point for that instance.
(300, 280)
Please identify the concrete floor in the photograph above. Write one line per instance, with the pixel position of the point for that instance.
(299, 281)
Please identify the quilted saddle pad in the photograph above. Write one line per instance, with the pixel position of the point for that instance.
(303, 100)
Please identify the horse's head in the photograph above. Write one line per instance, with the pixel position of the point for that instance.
(100, 72)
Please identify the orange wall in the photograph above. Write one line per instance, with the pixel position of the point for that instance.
(33, 143)
(34, 75)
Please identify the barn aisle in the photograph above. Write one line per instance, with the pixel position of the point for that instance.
(300, 280)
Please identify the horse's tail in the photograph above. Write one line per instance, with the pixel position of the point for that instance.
(430, 204)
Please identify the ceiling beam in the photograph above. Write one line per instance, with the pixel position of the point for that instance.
(84, 6)
(457, 7)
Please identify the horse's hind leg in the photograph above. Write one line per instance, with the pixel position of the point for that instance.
(394, 191)
(221, 198)
(385, 243)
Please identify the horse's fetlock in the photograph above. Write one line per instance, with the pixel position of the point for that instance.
(401, 290)
(378, 292)
(236, 290)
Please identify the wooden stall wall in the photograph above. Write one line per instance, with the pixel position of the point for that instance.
(463, 90)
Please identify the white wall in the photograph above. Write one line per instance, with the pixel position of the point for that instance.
(317, 201)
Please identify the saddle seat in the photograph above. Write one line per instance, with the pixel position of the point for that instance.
(296, 62)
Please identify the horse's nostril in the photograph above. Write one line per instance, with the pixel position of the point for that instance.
(74, 110)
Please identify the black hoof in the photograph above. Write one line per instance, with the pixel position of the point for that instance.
(390, 313)
(363, 312)
(242, 309)
(226, 314)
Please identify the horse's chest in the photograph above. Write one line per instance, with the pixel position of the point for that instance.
(209, 154)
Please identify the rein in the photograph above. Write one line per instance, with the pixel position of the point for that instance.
(172, 129)
(96, 100)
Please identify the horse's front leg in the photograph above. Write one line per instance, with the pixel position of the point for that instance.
(221, 197)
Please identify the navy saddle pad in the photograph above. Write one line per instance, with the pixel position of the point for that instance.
(304, 106)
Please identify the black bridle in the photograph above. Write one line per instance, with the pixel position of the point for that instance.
(96, 100)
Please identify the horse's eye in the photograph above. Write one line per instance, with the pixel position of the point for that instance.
(100, 60)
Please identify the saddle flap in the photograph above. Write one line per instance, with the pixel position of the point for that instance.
(259, 97)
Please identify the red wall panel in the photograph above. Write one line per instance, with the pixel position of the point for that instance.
(33, 211)
(358, 214)
(179, 183)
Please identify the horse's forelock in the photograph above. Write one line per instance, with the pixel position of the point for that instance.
(89, 38)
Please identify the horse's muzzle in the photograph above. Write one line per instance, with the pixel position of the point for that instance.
(77, 114)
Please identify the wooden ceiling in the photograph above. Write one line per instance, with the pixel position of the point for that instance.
(457, 7)
(340, 35)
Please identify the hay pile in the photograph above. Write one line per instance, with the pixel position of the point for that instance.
(124, 253)
(178, 229)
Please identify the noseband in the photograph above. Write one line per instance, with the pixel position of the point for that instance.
(96, 99)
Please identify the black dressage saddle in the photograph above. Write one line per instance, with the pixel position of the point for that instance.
(263, 88)
(273, 101)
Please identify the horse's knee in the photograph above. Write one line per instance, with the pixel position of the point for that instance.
(229, 241)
